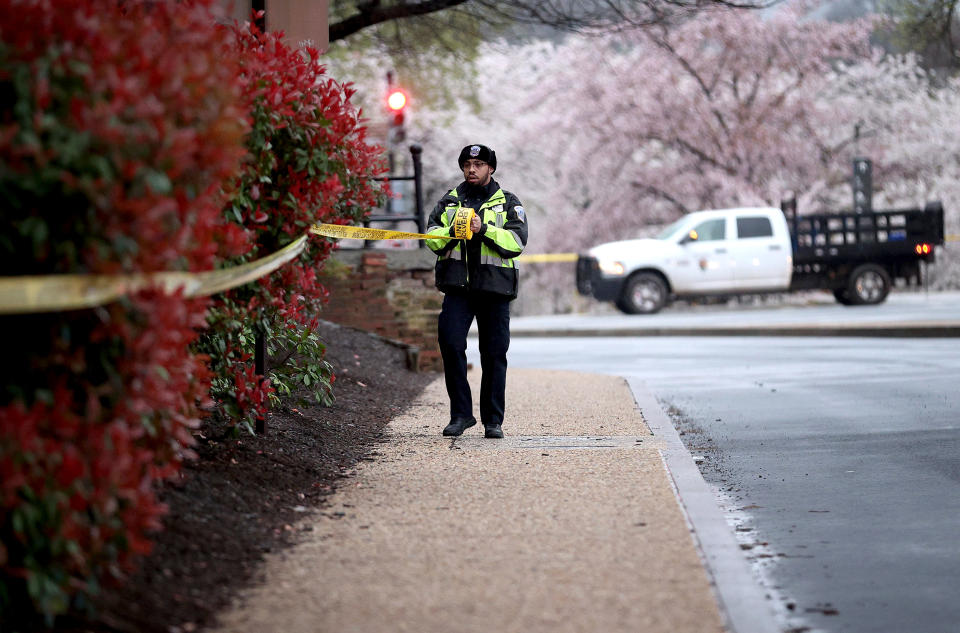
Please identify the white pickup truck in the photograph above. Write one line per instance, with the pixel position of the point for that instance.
(731, 252)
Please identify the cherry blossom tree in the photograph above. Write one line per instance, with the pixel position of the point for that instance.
(723, 110)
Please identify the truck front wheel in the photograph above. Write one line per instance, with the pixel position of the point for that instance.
(869, 284)
(644, 293)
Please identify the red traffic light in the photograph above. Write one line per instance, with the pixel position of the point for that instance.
(397, 100)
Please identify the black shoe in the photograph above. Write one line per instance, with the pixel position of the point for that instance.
(492, 431)
(458, 425)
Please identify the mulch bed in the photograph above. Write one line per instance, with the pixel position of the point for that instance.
(241, 498)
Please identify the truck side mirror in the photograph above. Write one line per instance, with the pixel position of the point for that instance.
(692, 236)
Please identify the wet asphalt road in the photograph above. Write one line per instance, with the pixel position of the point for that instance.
(838, 460)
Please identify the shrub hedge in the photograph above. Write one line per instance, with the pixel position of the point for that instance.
(137, 137)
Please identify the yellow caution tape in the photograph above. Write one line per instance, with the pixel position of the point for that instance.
(461, 230)
(363, 233)
(541, 258)
(52, 293)
(952, 238)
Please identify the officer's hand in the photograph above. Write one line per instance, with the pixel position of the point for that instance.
(475, 224)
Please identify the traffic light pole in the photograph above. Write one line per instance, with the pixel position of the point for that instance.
(391, 168)
(388, 205)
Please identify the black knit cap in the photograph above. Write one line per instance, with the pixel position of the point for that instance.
(480, 152)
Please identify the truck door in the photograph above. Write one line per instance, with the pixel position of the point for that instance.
(705, 264)
(762, 259)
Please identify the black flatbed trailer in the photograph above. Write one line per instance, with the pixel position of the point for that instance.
(858, 256)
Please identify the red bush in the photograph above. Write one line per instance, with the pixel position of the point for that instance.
(119, 122)
(136, 136)
(308, 161)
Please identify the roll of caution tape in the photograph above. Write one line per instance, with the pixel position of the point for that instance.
(461, 223)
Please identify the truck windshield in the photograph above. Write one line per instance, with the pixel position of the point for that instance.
(670, 230)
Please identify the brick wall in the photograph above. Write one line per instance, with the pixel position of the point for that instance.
(390, 293)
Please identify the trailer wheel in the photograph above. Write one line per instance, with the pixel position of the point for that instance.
(869, 285)
(644, 293)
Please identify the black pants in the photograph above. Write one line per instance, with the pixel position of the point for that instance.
(493, 325)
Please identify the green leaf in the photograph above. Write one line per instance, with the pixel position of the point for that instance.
(158, 181)
(102, 167)
(18, 523)
(35, 228)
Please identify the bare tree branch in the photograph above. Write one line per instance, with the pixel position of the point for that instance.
(564, 15)
(371, 13)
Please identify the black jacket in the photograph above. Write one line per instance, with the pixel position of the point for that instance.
(496, 272)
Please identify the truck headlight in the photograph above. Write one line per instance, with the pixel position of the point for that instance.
(610, 268)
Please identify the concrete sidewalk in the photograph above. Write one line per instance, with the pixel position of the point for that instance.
(570, 523)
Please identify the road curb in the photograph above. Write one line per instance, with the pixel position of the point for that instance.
(742, 601)
(924, 330)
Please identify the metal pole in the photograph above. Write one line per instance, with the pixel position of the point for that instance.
(260, 343)
(391, 133)
(259, 357)
(415, 152)
(391, 167)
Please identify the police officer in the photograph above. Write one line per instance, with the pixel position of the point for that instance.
(478, 277)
